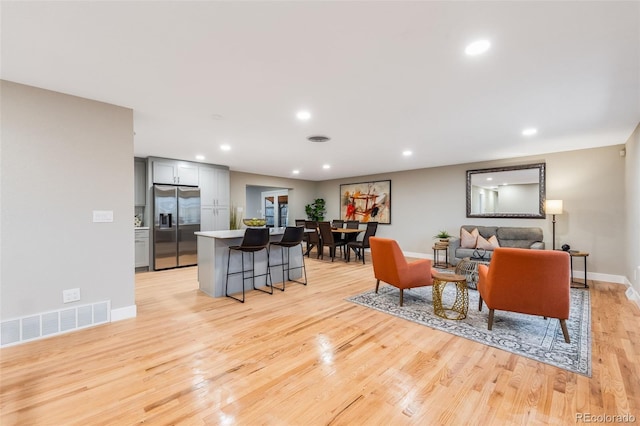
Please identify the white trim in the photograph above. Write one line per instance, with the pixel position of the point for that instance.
(631, 293)
(124, 313)
(417, 255)
(610, 278)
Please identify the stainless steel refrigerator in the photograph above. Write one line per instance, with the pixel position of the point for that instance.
(176, 218)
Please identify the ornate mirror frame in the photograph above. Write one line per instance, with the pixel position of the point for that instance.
(538, 214)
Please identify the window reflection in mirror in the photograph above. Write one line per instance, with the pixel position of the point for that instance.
(515, 191)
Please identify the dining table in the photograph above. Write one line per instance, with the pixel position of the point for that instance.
(351, 233)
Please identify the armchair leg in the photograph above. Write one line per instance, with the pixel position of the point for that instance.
(401, 296)
(377, 285)
(565, 332)
(480, 303)
(490, 319)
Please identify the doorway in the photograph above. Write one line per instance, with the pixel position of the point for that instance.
(275, 205)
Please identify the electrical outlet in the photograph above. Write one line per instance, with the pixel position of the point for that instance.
(70, 295)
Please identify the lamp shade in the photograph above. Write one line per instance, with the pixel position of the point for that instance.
(553, 207)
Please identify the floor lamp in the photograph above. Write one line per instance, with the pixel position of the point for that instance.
(553, 207)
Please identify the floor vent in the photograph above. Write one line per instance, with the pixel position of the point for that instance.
(38, 326)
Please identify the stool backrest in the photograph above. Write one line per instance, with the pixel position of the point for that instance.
(293, 234)
(255, 237)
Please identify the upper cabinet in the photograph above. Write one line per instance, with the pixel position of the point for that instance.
(175, 173)
(214, 186)
(214, 198)
(140, 182)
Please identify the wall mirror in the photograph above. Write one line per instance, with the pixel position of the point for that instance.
(507, 192)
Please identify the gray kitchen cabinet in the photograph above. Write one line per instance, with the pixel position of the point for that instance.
(214, 198)
(141, 247)
(175, 173)
(140, 182)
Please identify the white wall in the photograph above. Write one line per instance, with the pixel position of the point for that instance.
(62, 158)
(632, 185)
(301, 192)
(590, 182)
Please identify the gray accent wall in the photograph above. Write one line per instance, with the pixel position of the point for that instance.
(62, 157)
(591, 183)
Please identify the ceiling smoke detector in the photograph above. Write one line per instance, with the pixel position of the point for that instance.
(319, 138)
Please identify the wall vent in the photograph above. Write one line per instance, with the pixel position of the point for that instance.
(38, 326)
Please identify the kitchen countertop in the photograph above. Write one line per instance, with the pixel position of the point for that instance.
(235, 233)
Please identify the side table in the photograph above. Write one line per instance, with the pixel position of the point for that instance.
(436, 252)
(583, 255)
(460, 305)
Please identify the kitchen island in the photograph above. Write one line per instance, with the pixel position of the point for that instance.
(213, 253)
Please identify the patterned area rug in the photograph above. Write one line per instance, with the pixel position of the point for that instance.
(527, 335)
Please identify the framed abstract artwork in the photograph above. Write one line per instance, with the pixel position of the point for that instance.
(366, 201)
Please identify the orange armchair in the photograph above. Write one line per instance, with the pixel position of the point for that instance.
(534, 282)
(390, 266)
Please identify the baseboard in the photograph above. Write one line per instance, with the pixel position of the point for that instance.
(631, 293)
(610, 278)
(417, 255)
(124, 313)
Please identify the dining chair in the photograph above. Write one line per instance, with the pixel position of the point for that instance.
(351, 224)
(338, 223)
(254, 240)
(313, 238)
(358, 246)
(293, 236)
(327, 239)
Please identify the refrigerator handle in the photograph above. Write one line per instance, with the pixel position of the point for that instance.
(170, 221)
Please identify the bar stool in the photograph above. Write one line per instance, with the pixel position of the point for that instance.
(293, 236)
(255, 239)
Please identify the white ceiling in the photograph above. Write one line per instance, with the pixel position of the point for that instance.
(378, 77)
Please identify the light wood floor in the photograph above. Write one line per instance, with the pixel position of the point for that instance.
(307, 357)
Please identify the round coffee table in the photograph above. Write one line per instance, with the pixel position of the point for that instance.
(460, 305)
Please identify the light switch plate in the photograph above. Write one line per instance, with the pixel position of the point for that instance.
(103, 215)
(70, 295)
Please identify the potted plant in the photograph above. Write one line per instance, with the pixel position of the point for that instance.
(443, 236)
(315, 211)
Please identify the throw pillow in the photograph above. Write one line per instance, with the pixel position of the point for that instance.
(489, 244)
(468, 239)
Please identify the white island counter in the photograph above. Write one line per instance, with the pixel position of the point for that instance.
(213, 252)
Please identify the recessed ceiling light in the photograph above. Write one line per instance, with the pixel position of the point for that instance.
(199, 157)
(529, 132)
(303, 115)
(489, 178)
(225, 147)
(296, 172)
(407, 153)
(477, 47)
(326, 166)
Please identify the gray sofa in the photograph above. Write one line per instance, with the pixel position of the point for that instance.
(519, 237)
